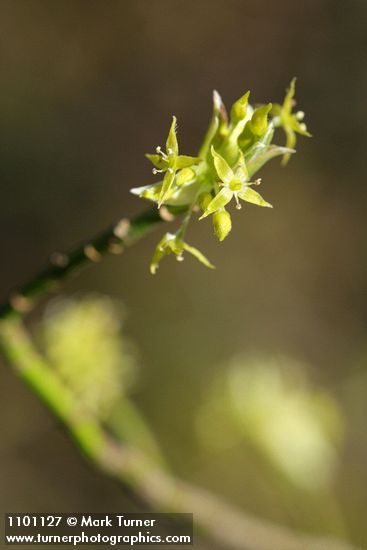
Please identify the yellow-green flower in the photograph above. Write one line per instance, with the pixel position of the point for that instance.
(234, 184)
(234, 149)
(170, 161)
(291, 122)
(174, 244)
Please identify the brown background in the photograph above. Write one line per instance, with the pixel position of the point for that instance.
(86, 89)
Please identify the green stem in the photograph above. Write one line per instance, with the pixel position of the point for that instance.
(119, 235)
(228, 527)
(183, 227)
(19, 350)
(225, 525)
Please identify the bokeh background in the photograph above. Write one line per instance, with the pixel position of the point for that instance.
(252, 377)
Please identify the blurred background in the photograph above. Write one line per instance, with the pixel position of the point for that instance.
(251, 377)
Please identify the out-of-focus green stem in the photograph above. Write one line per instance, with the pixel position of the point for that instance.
(19, 351)
(226, 526)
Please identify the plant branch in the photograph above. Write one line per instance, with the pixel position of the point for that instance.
(225, 525)
(119, 235)
(231, 528)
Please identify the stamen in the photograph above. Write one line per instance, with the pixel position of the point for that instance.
(156, 171)
(303, 127)
(170, 151)
(238, 205)
(180, 258)
(160, 152)
(170, 170)
(257, 182)
(300, 115)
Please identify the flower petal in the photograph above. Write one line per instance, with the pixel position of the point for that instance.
(223, 170)
(249, 195)
(299, 127)
(198, 255)
(171, 143)
(157, 161)
(290, 144)
(288, 100)
(219, 201)
(241, 171)
(185, 161)
(161, 250)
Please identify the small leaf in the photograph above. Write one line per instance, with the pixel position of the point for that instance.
(249, 195)
(219, 201)
(223, 170)
(198, 255)
(171, 143)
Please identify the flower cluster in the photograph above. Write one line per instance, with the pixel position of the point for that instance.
(234, 148)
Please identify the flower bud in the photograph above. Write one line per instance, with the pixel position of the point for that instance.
(259, 120)
(239, 108)
(222, 223)
(204, 200)
(184, 176)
